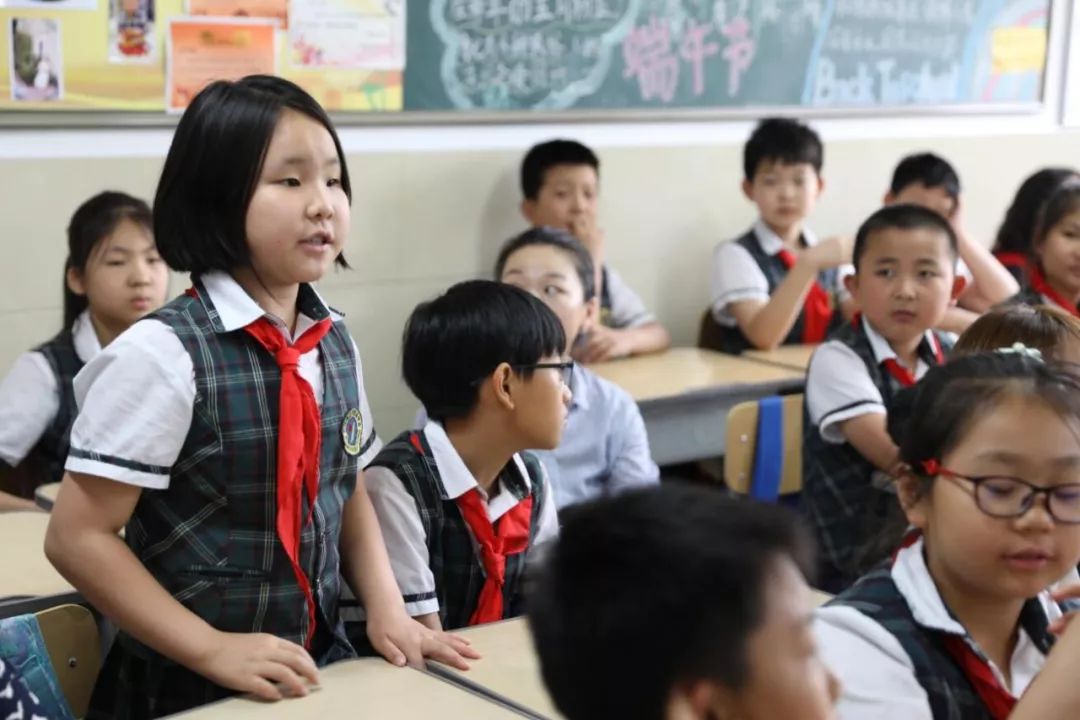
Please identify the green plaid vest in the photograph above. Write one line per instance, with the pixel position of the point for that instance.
(951, 694)
(210, 539)
(844, 507)
(52, 447)
(459, 574)
(731, 339)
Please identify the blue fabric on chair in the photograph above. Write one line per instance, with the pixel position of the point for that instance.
(768, 450)
(22, 645)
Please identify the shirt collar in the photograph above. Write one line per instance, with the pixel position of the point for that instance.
(457, 479)
(771, 243)
(84, 337)
(883, 350)
(236, 309)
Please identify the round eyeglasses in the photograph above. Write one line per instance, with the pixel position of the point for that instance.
(1009, 497)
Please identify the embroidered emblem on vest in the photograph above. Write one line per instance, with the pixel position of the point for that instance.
(352, 431)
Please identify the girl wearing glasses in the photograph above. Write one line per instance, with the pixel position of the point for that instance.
(956, 625)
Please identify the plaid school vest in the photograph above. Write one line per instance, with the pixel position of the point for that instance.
(459, 574)
(844, 507)
(52, 448)
(951, 694)
(210, 539)
(731, 339)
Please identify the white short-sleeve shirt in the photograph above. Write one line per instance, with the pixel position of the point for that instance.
(627, 308)
(137, 396)
(838, 387)
(736, 276)
(403, 531)
(877, 675)
(30, 394)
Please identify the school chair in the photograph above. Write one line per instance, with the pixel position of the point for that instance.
(58, 653)
(764, 448)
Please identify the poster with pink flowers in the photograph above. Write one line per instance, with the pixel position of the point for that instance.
(347, 34)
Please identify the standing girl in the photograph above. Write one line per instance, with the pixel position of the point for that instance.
(957, 625)
(1054, 276)
(227, 432)
(113, 276)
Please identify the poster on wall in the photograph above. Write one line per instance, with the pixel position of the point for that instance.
(51, 4)
(35, 67)
(131, 31)
(347, 34)
(201, 50)
(277, 9)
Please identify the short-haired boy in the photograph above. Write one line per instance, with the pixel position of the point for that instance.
(904, 281)
(679, 603)
(604, 447)
(777, 284)
(560, 187)
(459, 503)
(930, 181)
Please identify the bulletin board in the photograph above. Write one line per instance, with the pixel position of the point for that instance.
(516, 60)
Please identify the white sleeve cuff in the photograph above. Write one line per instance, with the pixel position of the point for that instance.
(831, 422)
(102, 466)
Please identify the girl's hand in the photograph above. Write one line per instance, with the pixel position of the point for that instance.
(400, 639)
(254, 662)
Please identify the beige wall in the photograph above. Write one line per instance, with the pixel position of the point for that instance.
(424, 220)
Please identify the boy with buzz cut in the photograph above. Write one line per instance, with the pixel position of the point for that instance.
(679, 603)
(930, 181)
(904, 282)
(560, 187)
(777, 284)
(459, 503)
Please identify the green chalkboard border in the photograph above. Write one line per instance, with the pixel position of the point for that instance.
(72, 119)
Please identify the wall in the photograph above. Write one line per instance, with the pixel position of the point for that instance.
(423, 219)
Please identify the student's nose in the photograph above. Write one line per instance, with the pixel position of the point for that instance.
(567, 395)
(1037, 518)
(835, 687)
(140, 273)
(905, 287)
(319, 206)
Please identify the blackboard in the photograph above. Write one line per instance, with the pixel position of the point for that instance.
(589, 55)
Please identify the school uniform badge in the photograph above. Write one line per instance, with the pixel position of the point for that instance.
(352, 431)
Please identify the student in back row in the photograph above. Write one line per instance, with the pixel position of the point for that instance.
(560, 187)
(1054, 274)
(777, 284)
(112, 277)
(930, 181)
(459, 502)
(904, 282)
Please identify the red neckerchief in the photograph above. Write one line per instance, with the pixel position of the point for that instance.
(1014, 260)
(906, 377)
(1041, 286)
(817, 308)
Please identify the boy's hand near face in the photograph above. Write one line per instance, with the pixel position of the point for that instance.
(829, 253)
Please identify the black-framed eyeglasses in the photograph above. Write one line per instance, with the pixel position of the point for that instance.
(566, 370)
(1009, 497)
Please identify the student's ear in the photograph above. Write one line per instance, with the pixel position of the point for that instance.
(820, 185)
(888, 199)
(958, 284)
(501, 383)
(748, 189)
(851, 283)
(700, 700)
(74, 278)
(911, 492)
(592, 316)
(528, 211)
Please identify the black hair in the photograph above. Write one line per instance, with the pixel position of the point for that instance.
(459, 338)
(674, 573)
(904, 216)
(92, 222)
(213, 167)
(952, 396)
(785, 141)
(926, 169)
(560, 240)
(1063, 202)
(546, 155)
(1018, 227)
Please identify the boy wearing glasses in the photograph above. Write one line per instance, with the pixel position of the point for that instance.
(904, 281)
(459, 502)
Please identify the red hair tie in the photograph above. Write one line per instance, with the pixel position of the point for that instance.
(931, 467)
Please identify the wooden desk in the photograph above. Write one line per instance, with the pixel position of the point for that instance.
(509, 670)
(796, 357)
(28, 581)
(366, 688)
(685, 395)
(45, 496)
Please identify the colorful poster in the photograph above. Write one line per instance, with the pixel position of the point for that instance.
(201, 50)
(34, 64)
(347, 34)
(278, 9)
(131, 31)
(51, 4)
